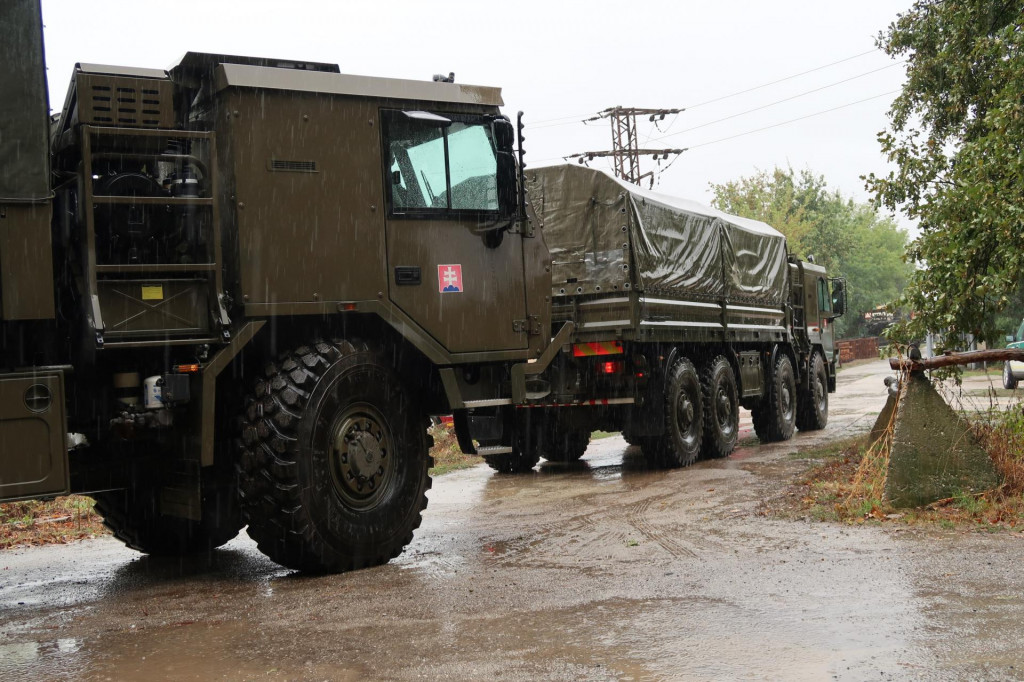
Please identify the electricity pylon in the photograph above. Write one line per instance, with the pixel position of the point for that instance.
(625, 151)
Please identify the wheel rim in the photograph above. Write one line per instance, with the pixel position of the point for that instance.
(786, 400)
(820, 391)
(685, 419)
(362, 460)
(723, 405)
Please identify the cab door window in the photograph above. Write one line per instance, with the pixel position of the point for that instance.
(439, 164)
(824, 297)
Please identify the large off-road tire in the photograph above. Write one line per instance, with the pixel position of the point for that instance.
(515, 462)
(1009, 381)
(564, 444)
(527, 439)
(775, 415)
(680, 445)
(134, 517)
(333, 468)
(721, 408)
(812, 405)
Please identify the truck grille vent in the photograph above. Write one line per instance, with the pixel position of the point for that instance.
(127, 105)
(116, 101)
(293, 166)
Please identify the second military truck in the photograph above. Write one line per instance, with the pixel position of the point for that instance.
(232, 293)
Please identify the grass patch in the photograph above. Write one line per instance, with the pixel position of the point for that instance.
(57, 521)
(447, 455)
(846, 485)
(598, 435)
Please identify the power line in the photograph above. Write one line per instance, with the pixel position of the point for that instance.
(774, 125)
(792, 120)
(780, 101)
(568, 120)
(781, 80)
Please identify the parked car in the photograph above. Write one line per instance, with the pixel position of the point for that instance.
(1013, 370)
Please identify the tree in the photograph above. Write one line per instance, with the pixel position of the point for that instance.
(849, 239)
(956, 139)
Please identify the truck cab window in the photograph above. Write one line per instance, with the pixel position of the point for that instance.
(824, 297)
(440, 168)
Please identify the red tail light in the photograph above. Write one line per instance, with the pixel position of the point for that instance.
(612, 367)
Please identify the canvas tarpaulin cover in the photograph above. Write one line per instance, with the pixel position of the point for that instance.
(24, 107)
(605, 235)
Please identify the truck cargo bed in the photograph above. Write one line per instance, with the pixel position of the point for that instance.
(636, 265)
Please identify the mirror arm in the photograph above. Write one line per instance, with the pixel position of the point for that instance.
(522, 165)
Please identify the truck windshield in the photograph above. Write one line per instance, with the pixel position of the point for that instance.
(436, 168)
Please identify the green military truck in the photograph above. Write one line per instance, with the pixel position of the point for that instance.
(680, 315)
(233, 292)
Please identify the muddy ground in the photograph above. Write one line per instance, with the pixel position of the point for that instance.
(600, 571)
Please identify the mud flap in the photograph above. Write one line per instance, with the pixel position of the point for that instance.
(33, 435)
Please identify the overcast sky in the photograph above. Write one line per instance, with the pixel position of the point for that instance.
(560, 62)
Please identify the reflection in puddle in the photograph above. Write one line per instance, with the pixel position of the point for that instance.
(20, 653)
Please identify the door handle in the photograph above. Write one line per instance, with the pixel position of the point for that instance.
(406, 275)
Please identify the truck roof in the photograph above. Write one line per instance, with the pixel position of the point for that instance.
(245, 76)
(303, 76)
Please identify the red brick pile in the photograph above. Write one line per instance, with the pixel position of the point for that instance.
(857, 349)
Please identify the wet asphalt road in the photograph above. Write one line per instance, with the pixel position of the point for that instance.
(599, 571)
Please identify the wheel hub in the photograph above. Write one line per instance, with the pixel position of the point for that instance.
(366, 454)
(724, 408)
(360, 457)
(685, 412)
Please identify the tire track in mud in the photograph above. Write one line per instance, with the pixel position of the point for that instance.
(636, 516)
(545, 544)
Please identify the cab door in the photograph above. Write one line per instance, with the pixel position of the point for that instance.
(455, 263)
(825, 316)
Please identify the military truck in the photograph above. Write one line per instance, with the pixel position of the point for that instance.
(681, 314)
(232, 292)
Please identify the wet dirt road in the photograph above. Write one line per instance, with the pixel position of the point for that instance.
(600, 571)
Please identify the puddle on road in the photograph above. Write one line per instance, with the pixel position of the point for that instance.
(18, 653)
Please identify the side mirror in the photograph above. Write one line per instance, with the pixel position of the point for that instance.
(1009, 338)
(504, 134)
(507, 195)
(838, 296)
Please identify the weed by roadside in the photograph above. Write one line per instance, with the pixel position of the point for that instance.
(57, 521)
(846, 486)
(447, 455)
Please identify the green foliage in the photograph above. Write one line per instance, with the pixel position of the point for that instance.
(851, 240)
(955, 139)
(969, 503)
